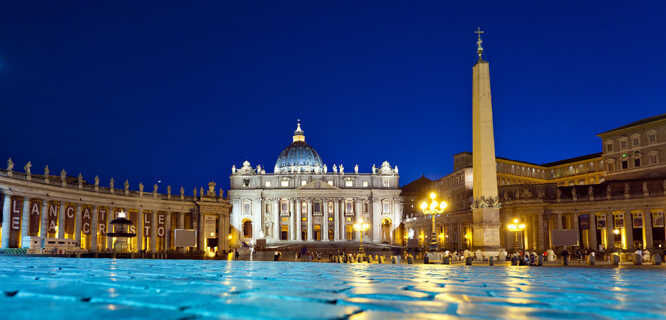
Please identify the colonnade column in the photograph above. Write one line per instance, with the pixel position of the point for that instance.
(220, 233)
(181, 225)
(276, 220)
(139, 230)
(153, 231)
(6, 207)
(558, 223)
(77, 224)
(25, 220)
(628, 230)
(310, 220)
(336, 219)
(109, 218)
(43, 228)
(93, 229)
(610, 236)
(324, 225)
(592, 237)
(647, 224)
(167, 233)
(61, 221)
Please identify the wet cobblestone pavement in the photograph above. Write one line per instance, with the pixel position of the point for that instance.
(62, 288)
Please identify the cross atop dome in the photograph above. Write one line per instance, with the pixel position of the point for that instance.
(479, 49)
(299, 135)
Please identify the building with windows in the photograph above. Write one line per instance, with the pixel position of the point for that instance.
(612, 199)
(48, 213)
(302, 200)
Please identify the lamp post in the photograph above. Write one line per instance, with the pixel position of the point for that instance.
(362, 227)
(516, 227)
(433, 209)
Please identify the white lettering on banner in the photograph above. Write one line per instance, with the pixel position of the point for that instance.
(14, 208)
(132, 229)
(161, 219)
(70, 212)
(160, 232)
(102, 229)
(86, 213)
(53, 211)
(16, 223)
(52, 226)
(35, 208)
(86, 228)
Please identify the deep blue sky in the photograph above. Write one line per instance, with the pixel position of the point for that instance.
(182, 91)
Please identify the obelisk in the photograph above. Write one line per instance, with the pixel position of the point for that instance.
(486, 206)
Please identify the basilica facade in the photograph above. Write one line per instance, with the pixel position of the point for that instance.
(305, 200)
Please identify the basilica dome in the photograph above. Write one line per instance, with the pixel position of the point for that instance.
(298, 156)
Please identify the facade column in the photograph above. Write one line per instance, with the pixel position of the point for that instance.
(558, 223)
(25, 220)
(276, 220)
(43, 228)
(299, 206)
(167, 233)
(61, 221)
(111, 215)
(93, 229)
(77, 224)
(310, 225)
(153, 231)
(324, 225)
(220, 234)
(629, 230)
(541, 237)
(292, 218)
(576, 227)
(610, 236)
(181, 220)
(336, 220)
(6, 207)
(593, 232)
(139, 230)
(647, 224)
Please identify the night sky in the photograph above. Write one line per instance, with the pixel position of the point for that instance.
(182, 91)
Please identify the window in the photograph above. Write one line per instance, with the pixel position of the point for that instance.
(349, 183)
(268, 208)
(625, 164)
(349, 207)
(284, 183)
(246, 183)
(652, 138)
(386, 182)
(386, 206)
(653, 158)
(637, 162)
(304, 207)
(330, 207)
(623, 144)
(636, 141)
(267, 184)
(365, 184)
(316, 208)
(366, 207)
(609, 147)
(284, 207)
(247, 207)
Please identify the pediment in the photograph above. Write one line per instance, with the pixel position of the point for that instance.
(317, 185)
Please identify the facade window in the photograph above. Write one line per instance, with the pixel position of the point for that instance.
(653, 158)
(365, 184)
(386, 206)
(330, 207)
(623, 144)
(636, 141)
(247, 207)
(267, 184)
(304, 207)
(625, 164)
(284, 207)
(284, 183)
(366, 207)
(609, 147)
(246, 183)
(268, 208)
(637, 159)
(349, 183)
(652, 138)
(349, 207)
(316, 208)
(386, 182)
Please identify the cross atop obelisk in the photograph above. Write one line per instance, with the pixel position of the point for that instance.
(479, 48)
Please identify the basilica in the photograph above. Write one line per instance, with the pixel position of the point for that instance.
(304, 200)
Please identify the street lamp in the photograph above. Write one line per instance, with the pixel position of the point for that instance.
(362, 227)
(516, 227)
(433, 209)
